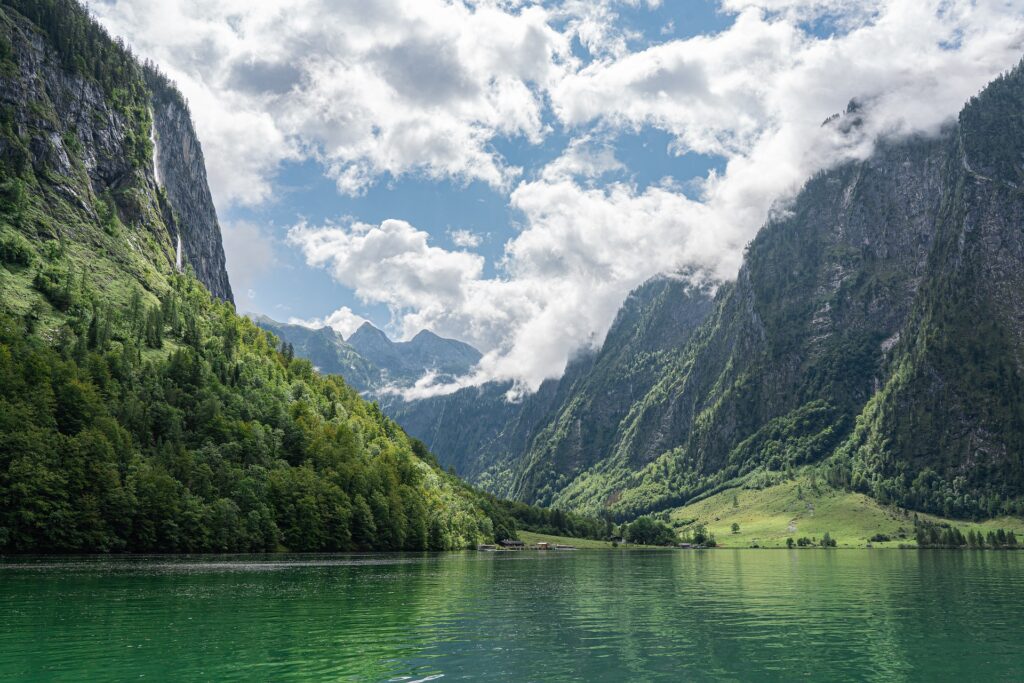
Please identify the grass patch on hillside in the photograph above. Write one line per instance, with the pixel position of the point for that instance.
(803, 507)
(530, 538)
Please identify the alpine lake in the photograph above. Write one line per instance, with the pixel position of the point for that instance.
(584, 615)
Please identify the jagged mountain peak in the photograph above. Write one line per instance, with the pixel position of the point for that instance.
(370, 360)
(426, 335)
(434, 347)
(370, 331)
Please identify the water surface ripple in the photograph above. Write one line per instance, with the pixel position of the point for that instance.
(585, 615)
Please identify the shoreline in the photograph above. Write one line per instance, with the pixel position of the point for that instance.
(15, 558)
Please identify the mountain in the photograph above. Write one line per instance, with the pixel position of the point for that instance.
(138, 412)
(476, 431)
(520, 449)
(644, 343)
(180, 172)
(405, 362)
(369, 360)
(327, 350)
(875, 333)
(559, 431)
(81, 111)
(875, 327)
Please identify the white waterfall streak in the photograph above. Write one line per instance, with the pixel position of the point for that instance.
(156, 151)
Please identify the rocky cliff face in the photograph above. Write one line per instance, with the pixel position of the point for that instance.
(945, 432)
(69, 126)
(875, 328)
(796, 345)
(80, 117)
(181, 172)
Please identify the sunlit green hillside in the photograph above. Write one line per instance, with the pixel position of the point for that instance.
(807, 506)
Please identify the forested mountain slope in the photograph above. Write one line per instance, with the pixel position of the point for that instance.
(643, 344)
(475, 431)
(137, 410)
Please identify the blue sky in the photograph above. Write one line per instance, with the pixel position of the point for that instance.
(505, 172)
(291, 289)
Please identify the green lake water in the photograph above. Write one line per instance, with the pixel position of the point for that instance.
(554, 616)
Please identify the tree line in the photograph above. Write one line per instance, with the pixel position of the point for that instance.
(933, 535)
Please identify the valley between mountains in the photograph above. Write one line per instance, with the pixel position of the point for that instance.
(873, 339)
(862, 374)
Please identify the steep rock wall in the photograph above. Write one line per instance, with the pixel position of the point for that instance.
(89, 132)
(181, 170)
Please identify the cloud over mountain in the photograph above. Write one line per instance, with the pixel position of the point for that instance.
(377, 90)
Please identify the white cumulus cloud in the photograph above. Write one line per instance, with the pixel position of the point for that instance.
(367, 88)
(343, 321)
(391, 263)
(249, 251)
(465, 238)
(375, 90)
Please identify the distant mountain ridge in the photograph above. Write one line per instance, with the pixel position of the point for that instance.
(503, 446)
(369, 360)
(424, 352)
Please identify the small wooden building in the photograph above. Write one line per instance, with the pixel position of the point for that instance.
(512, 544)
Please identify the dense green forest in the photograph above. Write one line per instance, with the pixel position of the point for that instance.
(547, 520)
(647, 530)
(180, 427)
(137, 411)
(184, 427)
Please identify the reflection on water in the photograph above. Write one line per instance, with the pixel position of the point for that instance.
(590, 615)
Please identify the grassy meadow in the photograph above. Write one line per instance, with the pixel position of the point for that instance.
(530, 538)
(805, 507)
